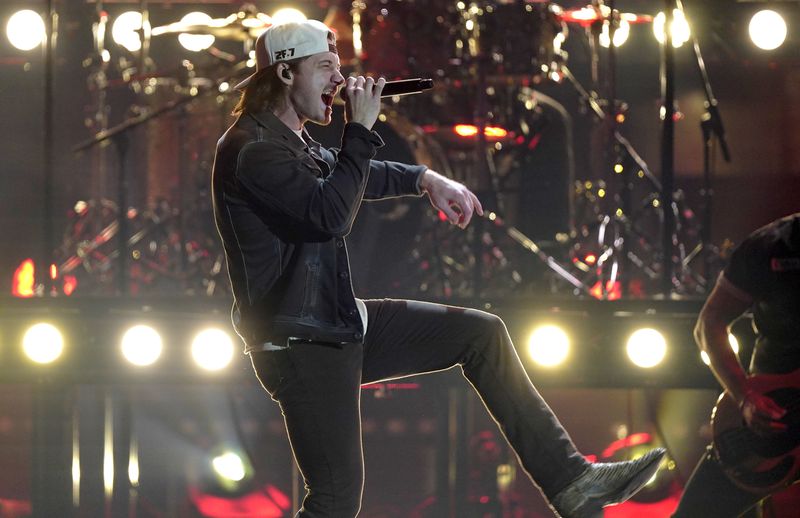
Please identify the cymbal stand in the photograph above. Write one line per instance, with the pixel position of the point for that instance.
(668, 150)
(606, 114)
(49, 48)
(711, 126)
(626, 155)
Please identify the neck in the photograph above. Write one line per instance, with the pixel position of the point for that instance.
(287, 114)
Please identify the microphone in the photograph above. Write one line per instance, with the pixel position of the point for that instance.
(406, 86)
(402, 87)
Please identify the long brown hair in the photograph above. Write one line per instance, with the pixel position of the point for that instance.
(265, 89)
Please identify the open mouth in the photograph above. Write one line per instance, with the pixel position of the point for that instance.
(327, 98)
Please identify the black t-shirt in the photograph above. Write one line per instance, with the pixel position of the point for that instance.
(766, 266)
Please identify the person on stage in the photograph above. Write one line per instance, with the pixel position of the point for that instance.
(763, 275)
(283, 207)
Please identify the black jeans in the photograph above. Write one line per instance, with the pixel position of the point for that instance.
(318, 389)
(711, 494)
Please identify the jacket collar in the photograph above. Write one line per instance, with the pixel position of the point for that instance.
(274, 125)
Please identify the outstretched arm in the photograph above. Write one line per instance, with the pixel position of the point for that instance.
(453, 198)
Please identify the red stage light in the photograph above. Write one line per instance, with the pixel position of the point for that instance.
(70, 283)
(632, 440)
(269, 502)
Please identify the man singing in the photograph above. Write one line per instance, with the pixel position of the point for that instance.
(283, 206)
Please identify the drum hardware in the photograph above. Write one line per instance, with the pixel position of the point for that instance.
(155, 250)
(621, 244)
(240, 26)
(120, 135)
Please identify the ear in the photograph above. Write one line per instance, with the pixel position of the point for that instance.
(284, 73)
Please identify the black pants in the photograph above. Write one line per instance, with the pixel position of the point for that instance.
(318, 389)
(710, 494)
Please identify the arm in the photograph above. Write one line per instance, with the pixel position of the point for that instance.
(390, 179)
(711, 335)
(724, 305)
(456, 201)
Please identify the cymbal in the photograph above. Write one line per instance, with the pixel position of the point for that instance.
(588, 15)
(239, 26)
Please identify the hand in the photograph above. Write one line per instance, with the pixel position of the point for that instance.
(762, 414)
(456, 201)
(362, 100)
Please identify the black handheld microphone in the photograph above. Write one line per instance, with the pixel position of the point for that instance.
(406, 86)
(402, 87)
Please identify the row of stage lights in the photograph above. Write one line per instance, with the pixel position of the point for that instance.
(212, 348)
(26, 29)
(549, 346)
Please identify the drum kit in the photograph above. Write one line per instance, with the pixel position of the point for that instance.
(484, 120)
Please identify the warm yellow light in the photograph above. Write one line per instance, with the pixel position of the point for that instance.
(141, 345)
(287, 14)
(548, 345)
(43, 343)
(469, 130)
(646, 347)
(229, 466)
(465, 130)
(133, 464)
(212, 349)
(25, 30)
(620, 35)
(679, 28)
(125, 29)
(767, 30)
(196, 42)
(494, 132)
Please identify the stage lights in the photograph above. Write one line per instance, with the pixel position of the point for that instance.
(646, 347)
(230, 469)
(620, 35)
(212, 349)
(26, 30)
(141, 345)
(125, 30)
(767, 30)
(679, 28)
(287, 14)
(548, 345)
(43, 343)
(196, 42)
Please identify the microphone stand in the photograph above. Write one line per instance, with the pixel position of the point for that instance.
(711, 126)
(47, 143)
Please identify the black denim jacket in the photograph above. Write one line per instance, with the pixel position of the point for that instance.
(283, 215)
